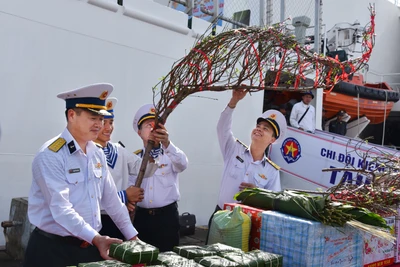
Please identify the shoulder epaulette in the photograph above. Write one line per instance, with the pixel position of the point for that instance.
(137, 152)
(57, 144)
(243, 144)
(119, 142)
(98, 145)
(273, 164)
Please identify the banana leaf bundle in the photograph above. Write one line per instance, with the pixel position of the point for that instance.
(316, 208)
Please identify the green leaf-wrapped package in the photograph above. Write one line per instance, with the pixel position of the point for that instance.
(266, 259)
(113, 263)
(242, 259)
(168, 258)
(216, 261)
(189, 263)
(192, 252)
(221, 248)
(134, 252)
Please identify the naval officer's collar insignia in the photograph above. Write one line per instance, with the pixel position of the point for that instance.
(71, 147)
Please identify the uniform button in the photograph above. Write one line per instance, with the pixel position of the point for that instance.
(151, 201)
(162, 173)
(101, 176)
(95, 215)
(76, 182)
(92, 196)
(151, 187)
(247, 174)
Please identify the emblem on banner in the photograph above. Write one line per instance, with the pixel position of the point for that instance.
(291, 150)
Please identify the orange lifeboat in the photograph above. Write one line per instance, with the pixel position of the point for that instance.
(375, 101)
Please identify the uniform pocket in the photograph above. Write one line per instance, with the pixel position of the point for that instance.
(165, 175)
(237, 171)
(98, 173)
(260, 180)
(75, 178)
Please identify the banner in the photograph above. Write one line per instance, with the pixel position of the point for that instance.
(209, 5)
(304, 155)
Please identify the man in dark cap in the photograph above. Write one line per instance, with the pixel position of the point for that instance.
(303, 113)
(338, 126)
(324, 119)
(285, 110)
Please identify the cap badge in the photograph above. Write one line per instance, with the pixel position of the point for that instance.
(109, 105)
(103, 95)
(152, 110)
(272, 116)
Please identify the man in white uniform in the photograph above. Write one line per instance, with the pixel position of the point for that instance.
(303, 113)
(157, 217)
(70, 183)
(247, 167)
(121, 164)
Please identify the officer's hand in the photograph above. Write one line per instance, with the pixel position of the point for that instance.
(134, 238)
(246, 185)
(103, 245)
(152, 138)
(130, 206)
(161, 135)
(135, 194)
(237, 95)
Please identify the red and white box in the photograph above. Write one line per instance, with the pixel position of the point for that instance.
(397, 231)
(379, 252)
(255, 215)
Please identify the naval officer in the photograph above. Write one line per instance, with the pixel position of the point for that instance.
(246, 166)
(157, 217)
(70, 183)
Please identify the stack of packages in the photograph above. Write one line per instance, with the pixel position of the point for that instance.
(222, 255)
(303, 242)
(138, 252)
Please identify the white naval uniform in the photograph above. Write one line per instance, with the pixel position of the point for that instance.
(308, 122)
(162, 188)
(68, 188)
(239, 165)
(123, 165)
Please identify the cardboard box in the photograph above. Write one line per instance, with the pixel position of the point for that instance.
(255, 215)
(308, 243)
(378, 252)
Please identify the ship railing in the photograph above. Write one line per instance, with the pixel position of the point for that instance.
(393, 79)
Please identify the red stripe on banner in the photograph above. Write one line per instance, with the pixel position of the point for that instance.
(382, 263)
